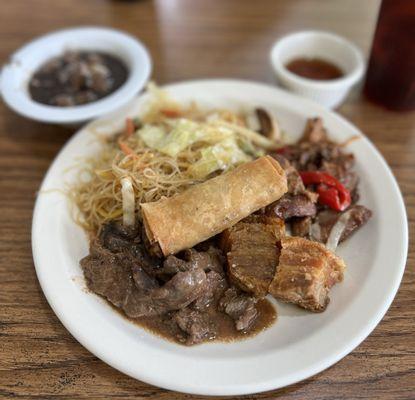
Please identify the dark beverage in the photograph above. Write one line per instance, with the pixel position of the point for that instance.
(390, 79)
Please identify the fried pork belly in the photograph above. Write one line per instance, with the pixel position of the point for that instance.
(252, 252)
(305, 274)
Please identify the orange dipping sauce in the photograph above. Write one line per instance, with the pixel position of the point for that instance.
(314, 68)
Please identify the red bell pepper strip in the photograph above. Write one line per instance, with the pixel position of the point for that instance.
(331, 198)
(331, 192)
(282, 150)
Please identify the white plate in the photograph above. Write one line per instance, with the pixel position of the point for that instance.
(300, 344)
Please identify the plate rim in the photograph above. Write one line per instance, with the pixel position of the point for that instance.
(238, 389)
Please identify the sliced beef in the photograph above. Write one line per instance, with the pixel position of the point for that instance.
(345, 160)
(116, 228)
(218, 259)
(315, 152)
(215, 286)
(298, 201)
(111, 276)
(139, 256)
(181, 290)
(118, 238)
(301, 226)
(324, 156)
(196, 326)
(343, 172)
(306, 156)
(305, 273)
(294, 182)
(240, 307)
(285, 164)
(142, 280)
(252, 252)
(210, 260)
(314, 149)
(171, 266)
(106, 275)
(293, 206)
(127, 245)
(358, 216)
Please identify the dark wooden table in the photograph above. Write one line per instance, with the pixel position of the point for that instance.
(187, 39)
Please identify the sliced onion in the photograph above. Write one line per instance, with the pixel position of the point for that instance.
(337, 231)
(253, 136)
(252, 121)
(128, 202)
(315, 231)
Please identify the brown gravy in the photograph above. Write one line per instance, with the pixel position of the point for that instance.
(314, 68)
(226, 331)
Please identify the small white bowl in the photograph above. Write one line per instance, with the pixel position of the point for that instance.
(323, 45)
(16, 74)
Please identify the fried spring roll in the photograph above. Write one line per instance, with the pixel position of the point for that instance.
(206, 209)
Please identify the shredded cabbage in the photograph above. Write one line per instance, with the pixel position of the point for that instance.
(247, 147)
(184, 133)
(226, 148)
(218, 157)
(152, 136)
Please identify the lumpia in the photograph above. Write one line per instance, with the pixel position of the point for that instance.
(206, 209)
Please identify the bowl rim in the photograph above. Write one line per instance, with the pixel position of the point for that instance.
(344, 82)
(24, 105)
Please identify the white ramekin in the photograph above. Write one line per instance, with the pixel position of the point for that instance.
(324, 45)
(16, 73)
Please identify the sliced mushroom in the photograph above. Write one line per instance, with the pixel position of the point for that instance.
(268, 125)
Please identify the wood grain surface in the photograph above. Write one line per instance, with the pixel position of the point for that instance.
(188, 39)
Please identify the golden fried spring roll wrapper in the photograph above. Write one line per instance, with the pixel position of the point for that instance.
(206, 209)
